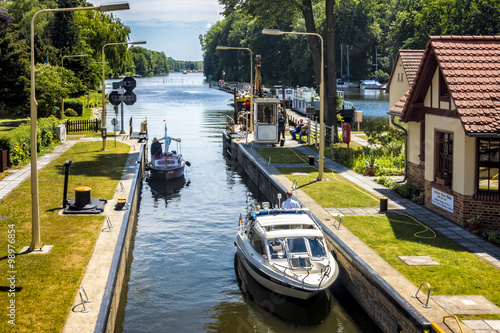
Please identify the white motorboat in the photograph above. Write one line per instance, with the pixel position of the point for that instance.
(285, 251)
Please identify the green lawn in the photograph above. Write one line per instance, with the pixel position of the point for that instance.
(335, 191)
(47, 284)
(459, 272)
(282, 155)
(9, 121)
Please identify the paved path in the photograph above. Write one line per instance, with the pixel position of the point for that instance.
(17, 176)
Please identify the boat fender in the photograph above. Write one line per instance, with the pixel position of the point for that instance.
(188, 163)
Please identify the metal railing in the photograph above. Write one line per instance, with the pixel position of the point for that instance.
(339, 220)
(456, 319)
(86, 300)
(426, 305)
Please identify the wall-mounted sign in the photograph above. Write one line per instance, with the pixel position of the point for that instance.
(442, 200)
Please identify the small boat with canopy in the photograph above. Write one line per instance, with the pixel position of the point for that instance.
(169, 163)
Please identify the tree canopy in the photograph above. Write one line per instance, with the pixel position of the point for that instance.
(360, 27)
(60, 34)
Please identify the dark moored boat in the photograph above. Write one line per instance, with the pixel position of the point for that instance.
(167, 164)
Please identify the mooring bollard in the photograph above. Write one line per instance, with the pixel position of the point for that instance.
(383, 204)
(66, 164)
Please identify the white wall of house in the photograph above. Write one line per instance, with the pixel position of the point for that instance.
(463, 152)
(413, 129)
(399, 84)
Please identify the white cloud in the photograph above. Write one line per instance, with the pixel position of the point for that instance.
(158, 12)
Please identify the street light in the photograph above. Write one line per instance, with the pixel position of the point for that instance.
(62, 66)
(277, 32)
(251, 79)
(36, 242)
(72, 56)
(103, 117)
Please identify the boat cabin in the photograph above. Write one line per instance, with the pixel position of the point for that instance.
(266, 120)
(291, 238)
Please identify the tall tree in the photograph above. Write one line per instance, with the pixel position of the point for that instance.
(268, 13)
(14, 71)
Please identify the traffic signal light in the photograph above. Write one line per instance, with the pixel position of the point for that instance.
(247, 105)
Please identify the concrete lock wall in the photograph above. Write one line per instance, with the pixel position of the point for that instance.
(113, 295)
(390, 311)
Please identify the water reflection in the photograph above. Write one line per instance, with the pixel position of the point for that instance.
(166, 190)
(294, 311)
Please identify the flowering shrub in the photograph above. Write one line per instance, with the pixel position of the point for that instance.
(443, 174)
(369, 158)
(421, 157)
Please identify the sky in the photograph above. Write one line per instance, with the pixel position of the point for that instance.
(171, 26)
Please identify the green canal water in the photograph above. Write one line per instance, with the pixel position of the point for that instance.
(182, 276)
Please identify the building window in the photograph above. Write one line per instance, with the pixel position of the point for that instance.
(445, 153)
(443, 87)
(488, 164)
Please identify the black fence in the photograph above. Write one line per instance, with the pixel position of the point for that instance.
(83, 126)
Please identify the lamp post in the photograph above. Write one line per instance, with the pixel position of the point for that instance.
(251, 78)
(72, 56)
(35, 217)
(62, 66)
(321, 96)
(103, 117)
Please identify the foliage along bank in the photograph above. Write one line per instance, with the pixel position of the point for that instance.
(371, 31)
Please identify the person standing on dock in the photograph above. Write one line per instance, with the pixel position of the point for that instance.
(281, 126)
(289, 203)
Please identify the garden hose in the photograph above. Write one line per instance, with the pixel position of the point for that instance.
(417, 234)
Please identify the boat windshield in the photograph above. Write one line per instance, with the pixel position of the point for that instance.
(306, 246)
(277, 248)
(316, 246)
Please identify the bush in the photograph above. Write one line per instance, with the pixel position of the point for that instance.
(494, 237)
(18, 139)
(69, 112)
(74, 103)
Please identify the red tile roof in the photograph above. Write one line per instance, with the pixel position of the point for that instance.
(411, 60)
(471, 68)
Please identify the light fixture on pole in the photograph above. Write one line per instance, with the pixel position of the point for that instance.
(277, 32)
(103, 117)
(36, 242)
(251, 79)
(62, 65)
(72, 56)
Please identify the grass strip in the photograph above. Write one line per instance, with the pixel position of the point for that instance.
(335, 191)
(282, 155)
(45, 285)
(459, 272)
